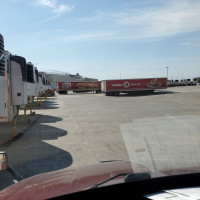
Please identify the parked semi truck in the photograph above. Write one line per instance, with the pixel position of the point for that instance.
(64, 87)
(115, 87)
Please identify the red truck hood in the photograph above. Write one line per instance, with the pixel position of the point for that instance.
(65, 181)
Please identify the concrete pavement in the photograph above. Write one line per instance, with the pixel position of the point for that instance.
(22, 124)
(82, 129)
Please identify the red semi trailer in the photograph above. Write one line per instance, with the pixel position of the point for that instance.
(64, 87)
(115, 87)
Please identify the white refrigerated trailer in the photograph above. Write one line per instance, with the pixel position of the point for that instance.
(13, 87)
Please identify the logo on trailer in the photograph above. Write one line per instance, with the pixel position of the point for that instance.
(154, 83)
(126, 84)
(66, 85)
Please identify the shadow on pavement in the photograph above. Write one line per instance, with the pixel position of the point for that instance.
(34, 153)
(6, 179)
(139, 94)
(46, 119)
(79, 93)
(51, 105)
(165, 92)
(45, 105)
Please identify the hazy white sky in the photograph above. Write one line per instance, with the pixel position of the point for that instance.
(105, 39)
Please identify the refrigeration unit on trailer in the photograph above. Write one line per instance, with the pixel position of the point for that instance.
(19, 80)
(64, 87)
(169, 83)
(173, 83)
(47, 85)
(3, 105)
(37, 82)
(188, 81)
(31, 85)
(115, 87)
(40, 84)
(182, 82)
(177, 82)
(194, 81)
(44, 85)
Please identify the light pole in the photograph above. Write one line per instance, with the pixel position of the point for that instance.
(167, 72)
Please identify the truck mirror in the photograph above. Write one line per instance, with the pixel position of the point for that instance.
(3, 161)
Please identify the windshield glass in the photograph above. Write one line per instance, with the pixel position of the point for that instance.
(102, 83)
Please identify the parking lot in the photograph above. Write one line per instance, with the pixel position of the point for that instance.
(86, 128)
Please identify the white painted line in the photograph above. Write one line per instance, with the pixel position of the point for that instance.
(163, 143)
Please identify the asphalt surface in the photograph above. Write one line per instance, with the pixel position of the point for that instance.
(82, 129)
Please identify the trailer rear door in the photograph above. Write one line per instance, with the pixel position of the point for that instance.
(103, 86)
